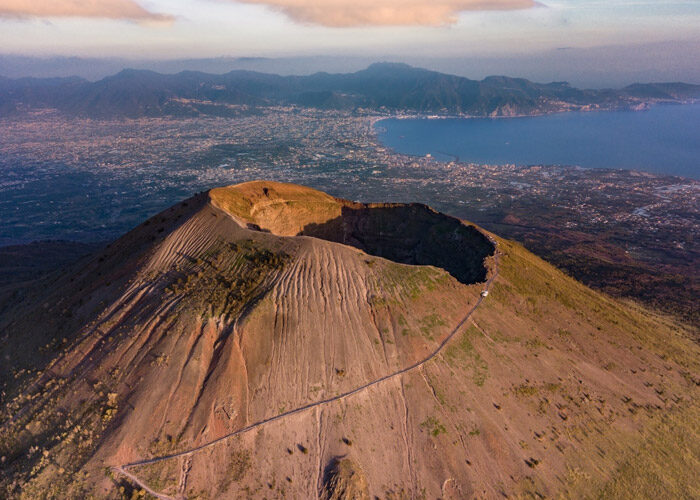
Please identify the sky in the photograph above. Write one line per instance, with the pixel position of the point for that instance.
(168, 29)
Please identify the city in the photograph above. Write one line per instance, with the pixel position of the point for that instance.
(91, 180)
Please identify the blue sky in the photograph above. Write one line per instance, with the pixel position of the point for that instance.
(444, 28)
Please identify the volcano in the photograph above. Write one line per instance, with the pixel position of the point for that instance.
(267, 340)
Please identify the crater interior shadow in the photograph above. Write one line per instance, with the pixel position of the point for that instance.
(410, 234)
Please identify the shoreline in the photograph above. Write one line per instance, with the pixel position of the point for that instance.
(434, 154)
(641, 107)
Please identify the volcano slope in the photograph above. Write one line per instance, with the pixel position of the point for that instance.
(267, 340)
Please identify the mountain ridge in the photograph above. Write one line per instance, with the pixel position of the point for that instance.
(385, 87)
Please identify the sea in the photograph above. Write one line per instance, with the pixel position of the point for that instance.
(663, 139)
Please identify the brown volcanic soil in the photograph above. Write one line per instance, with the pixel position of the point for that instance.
(251, 301)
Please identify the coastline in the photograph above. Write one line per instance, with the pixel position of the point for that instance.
(641, 107)
(481, 154)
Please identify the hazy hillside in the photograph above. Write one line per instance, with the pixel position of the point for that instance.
(269, 341)
(382, 86)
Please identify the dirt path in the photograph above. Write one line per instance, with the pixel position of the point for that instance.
(122, 469)
(138, 482)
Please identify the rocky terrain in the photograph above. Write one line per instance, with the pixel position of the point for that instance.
(267, 340)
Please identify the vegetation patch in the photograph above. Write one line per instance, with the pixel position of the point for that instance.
(535, 344)
(226, 277)
(410, 282)
(433, 426)
(239, 464)
(161, 476)
(462, 354)
(525, 390)
(430, 323)
(665, 465)
(344, 479)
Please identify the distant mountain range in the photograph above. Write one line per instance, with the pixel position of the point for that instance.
(381, 87)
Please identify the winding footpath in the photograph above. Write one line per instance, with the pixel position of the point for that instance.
(123, 469)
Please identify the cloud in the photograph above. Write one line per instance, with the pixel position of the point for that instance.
(110, 9)
(346, 13)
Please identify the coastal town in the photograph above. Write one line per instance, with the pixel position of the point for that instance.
(91, 180)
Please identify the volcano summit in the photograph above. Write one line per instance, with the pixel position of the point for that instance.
(267, 340)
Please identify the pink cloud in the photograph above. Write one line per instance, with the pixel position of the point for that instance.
(345, 13)
(110, 9)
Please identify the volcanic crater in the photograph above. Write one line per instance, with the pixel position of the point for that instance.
(413, 234)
